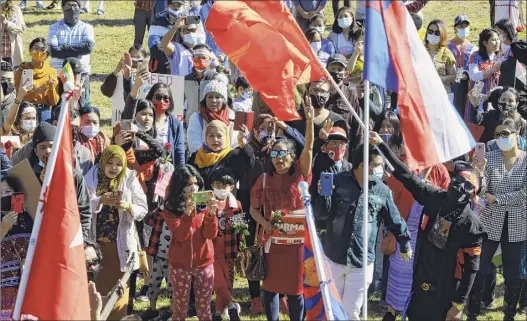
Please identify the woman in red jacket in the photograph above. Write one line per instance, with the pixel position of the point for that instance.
(191, 253)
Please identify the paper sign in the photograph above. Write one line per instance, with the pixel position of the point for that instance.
(175, 83)
(292, 228)
(162, 182)
(24, 175)
(15, 140)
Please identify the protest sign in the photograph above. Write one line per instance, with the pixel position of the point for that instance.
(24, 175)
(175, 83)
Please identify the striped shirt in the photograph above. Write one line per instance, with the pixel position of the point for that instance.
(60, 34)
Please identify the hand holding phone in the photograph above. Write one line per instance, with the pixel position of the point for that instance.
(126, 124)
(326, 184)
(192, 20)
(202, 197)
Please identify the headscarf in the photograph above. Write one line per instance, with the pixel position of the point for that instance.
(106, 184)
(205, 157)
(255, 143)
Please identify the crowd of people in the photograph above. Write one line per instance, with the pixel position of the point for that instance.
(437, 235)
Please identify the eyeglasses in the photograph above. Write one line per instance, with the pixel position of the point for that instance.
(433, 32)
(279, 153)
(160, 97)
(70, 6)
(503, 134)
(318, 91)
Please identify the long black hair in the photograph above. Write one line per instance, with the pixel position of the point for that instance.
(157, 87)
(485, 36)
(337, 29)
(291, 147)
(144, 104)
(397, 137)
(175, 193)
(24, 105)
(506, 25)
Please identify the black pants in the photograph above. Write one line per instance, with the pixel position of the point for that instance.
(335, 4)
(272, 306)
(490, 285)
(141, 23)
(427, 306)
(511, 272)
(523, 296)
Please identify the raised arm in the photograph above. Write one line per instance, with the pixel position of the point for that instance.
(306, 157)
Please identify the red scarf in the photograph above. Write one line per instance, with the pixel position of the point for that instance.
(209, 116)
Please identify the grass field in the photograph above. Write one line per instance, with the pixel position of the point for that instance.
(114, 33)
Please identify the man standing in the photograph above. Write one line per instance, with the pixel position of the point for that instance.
(344, 241)
(71, 37)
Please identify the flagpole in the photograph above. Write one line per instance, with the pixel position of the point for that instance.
(50, 168)
(365, 192)
(303, 187)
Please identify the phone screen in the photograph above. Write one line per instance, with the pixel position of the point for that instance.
(17, 202)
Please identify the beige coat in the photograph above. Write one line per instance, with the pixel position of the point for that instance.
(15, 27)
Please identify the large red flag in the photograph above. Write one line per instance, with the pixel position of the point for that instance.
(264, 41)
(58, 283)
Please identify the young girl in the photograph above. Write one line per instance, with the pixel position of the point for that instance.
(191, 253)
(90, 136)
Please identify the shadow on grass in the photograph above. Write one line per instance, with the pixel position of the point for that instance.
(95, 23)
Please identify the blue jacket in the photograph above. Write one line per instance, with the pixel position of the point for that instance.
(5, 163)
(342, 212)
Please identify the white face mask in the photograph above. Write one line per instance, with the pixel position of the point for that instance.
(28, 126)
(344, 22)
(221, 194)
(316, 46)
(463, 33)
(505, 143)
(320, 29)
(191, 189)
(432, 39)
(90, 131)
(378, 173)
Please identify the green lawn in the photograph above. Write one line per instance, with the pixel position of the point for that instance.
(114, 33)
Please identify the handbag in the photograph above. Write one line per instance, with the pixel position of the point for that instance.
(253, 262)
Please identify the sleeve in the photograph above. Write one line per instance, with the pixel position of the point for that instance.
(423, 193)
(109, 84)
(127, 87)
(395, 223)
(296, 135)
(179, 148)
(129, 108)
(210, 226)
(83, 200)
(194, 133)
(139, 203)
(18, 26)
(154, 151)
(323, 206)
(5, 163)
(180, 226)
(450, 59)
(416, 6)
(53, 42)
(474, 73)
(84, 48)
(516, 198)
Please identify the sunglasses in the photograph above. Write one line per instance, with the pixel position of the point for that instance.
(279, 153)
(93, 262)
(161, 97)
(467, 185)
(503, 134)
(432, 32)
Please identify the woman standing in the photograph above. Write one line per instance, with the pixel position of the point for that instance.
(12, 25)
(90, 135)
(342, 32)
(505, 189)
(117, 200)
(277, 190)
(319, 24)
(507, 36)
(444, 61)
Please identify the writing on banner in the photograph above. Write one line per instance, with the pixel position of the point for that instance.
(175, 83)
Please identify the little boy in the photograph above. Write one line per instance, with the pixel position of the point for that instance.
(225, 245)
(244, 101)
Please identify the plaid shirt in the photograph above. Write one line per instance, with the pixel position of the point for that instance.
(6, 45)
(155, 220)
(146, 5)
(229, 236)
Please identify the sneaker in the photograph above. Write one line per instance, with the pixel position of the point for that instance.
(192, 312)
(284, 308)
(40, 6)
(100, 12)
(85, 10)
(53, 5)
(257, 305)
(234, 313)
(141, 297)
(148, 315)
(23, 5)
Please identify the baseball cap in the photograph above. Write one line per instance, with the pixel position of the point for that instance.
(461, 19)
(338, 59)
(337, 133)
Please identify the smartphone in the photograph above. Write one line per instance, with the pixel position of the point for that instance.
(192, 20)
(202, 197)
(243, 118)
(6, 204)
(479, 153)
(17, 202)
(118, 195)
(27, 77)
(326, 184)
(126, 124)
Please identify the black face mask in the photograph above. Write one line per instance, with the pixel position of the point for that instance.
(458, 192)
(506, 107)
(318, 101)
(93, 271)
(337, 76)
(71, 16)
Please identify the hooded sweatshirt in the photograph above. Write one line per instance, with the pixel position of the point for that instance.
(49, 97)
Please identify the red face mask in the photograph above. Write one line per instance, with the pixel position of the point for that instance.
(201, 63)
(336, 154)
(160, 106)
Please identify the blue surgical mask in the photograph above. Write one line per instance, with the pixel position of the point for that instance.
(344, 22)
(245, 96)
(463, 33)
(386, 137)
(433, 39)
(505, 143)
(378, 173)
(317, 45)
(262, 136)
(193, 39)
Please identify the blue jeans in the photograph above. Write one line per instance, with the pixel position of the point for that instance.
(272, 306)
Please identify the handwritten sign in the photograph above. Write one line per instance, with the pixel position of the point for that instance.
(175, 83)
(163, 180)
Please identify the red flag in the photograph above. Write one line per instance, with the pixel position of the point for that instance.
(264, 41)
(58, 283)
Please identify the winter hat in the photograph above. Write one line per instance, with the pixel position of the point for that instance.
(215, 86)
(65, 1)
(44, 132)
(337, 133)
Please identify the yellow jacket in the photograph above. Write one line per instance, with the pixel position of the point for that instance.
(49, 97)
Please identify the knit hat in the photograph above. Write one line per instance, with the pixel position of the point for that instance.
(337, 133)
(44, 132)
(64, 2)
(215, 86)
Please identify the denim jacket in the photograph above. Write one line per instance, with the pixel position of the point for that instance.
(342, 211)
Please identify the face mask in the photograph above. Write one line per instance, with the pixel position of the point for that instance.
(344, 22)
(337, 76)
(505, 143)
(191, 189)
(200, 64)
(504, 47)
(506, 107)
(320, 29)
(38, 56)
(28, 126)
(245, 96)
(336, 153)
(194, 4)
(221, 193)
(318, 101)
(263, 137)
(386, 137)
(316, 46)
(173, 15)
(193, 39)
(432, 39)
(72, 15)
(463, 33)
(93, 271)
(457, 192)
(160, 106)
(90, 131)
(378, 173)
